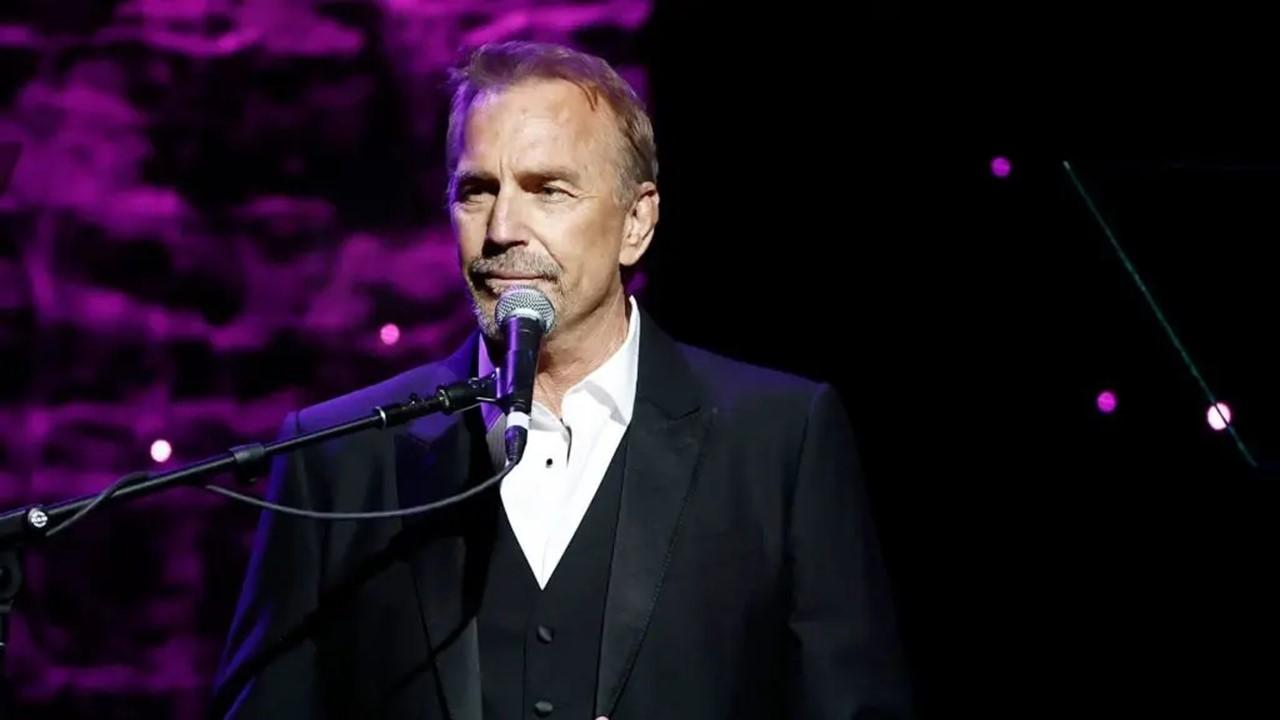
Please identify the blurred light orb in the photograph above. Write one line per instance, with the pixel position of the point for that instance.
(390, 334)
(1107, 402)
(161, 451)
(1219, 416)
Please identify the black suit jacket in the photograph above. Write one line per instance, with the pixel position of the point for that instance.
(745, 582)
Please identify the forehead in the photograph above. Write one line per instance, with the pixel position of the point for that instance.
(537, 122)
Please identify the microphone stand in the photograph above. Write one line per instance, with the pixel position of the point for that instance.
(33, 522)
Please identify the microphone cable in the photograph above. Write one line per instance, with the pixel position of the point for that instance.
(375, 515)
(454, 499)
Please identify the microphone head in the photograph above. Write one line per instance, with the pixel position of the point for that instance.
(527, 302)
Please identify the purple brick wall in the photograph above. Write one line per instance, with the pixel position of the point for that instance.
(217, 206)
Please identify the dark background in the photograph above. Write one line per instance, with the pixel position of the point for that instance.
(201, 237)
(1049, 560)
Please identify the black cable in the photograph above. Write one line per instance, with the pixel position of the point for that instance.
(103, 496)
(378, 515)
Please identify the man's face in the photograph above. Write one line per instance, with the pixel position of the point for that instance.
(535, 200)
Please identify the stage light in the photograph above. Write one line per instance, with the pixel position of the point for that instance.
(161, 451)
(390, 334)
(1106, 402)
(1219, 416)
(1001, 167)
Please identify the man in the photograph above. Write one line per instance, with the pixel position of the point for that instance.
(686, 537)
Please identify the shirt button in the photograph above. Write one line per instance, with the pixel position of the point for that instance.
(545, 634)
(542, 708)
(549, 462)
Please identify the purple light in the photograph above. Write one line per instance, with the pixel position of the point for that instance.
(161, 451)
(1219, 416)
(1106, 402)
(390, 334)
(1001, 167)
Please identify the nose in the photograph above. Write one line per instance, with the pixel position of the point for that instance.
(506, 222)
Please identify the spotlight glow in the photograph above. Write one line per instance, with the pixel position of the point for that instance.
(1001, 167)
(390, 334)
(1219, 416)
(161, 451)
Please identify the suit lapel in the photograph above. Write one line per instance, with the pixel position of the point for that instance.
(436, 456)
(665, 439)
(440, 455)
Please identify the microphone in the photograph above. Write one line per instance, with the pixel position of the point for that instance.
(524, 314)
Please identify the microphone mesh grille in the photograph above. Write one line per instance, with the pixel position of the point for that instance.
(526, 301)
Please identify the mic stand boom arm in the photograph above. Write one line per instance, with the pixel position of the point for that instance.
(36, 522)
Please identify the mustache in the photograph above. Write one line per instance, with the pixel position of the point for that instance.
(515, 263)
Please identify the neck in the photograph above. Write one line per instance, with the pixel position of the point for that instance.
(574, 352)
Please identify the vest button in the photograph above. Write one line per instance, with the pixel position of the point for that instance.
(542, 708)
(545, 634)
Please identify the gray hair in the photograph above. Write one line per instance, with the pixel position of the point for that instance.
(501, 65)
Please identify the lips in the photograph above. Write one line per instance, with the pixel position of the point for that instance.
(508, 276)
(498, 283)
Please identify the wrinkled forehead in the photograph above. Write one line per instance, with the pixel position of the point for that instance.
(537, 123)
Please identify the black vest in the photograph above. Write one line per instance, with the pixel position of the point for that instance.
(540, 648)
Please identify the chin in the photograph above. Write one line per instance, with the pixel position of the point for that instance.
(484, 302)
(488, 327)
(482, 305)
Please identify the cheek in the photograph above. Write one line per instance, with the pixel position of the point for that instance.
(469, 233)
(586, 241)
(582, 256)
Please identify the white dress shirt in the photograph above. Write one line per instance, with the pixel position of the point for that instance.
(547, 494)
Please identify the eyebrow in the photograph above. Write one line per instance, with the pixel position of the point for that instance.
(468, 179)
(463, 178)
(554, 172)
(471, 177)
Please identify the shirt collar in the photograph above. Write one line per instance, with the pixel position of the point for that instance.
(614, 382)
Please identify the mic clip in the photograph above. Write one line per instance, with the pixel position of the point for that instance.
(466, 394)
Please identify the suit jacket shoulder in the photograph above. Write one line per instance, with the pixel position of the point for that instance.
(763, 404)
(733, 382)
(421, 380)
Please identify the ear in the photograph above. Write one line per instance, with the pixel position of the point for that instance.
(637, 231)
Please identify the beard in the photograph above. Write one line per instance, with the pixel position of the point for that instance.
(513, 262)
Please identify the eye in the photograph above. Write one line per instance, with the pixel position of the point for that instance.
(472, 190)
(468, 195)
(552, 192)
